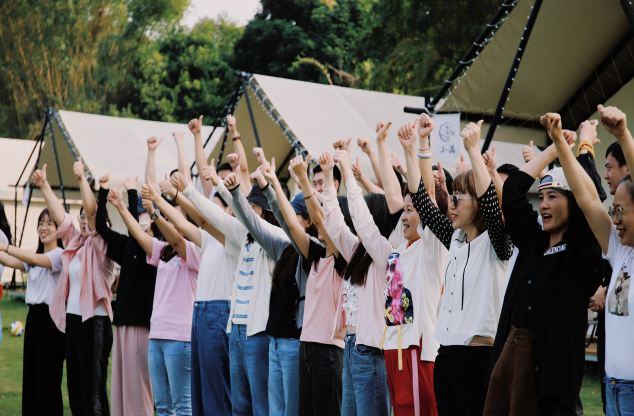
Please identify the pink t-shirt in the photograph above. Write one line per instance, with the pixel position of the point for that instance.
(174, 293)
(322, 296)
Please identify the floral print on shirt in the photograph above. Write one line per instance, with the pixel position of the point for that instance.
(399, 308)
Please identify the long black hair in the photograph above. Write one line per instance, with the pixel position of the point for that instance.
(4, 224)
(357, 268)
(168, 252)
(40, 244)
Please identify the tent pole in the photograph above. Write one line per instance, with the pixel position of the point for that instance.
(473, 51)
(246, 95)
(497, 116)
(628, 12)
(59, 169)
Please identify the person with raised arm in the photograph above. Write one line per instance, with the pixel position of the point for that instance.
(81, 304)
(365, 389)
(131, 389)
(248, 317)
(177, 261)
(474, 276)
(44, 343)
(413, 286)
(211, 382)
(318, 276)
(616, 241)
(238, 160)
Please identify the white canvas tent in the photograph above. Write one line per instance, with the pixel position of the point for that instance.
(317, 115)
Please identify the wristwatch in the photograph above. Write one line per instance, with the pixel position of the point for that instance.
(157, 213)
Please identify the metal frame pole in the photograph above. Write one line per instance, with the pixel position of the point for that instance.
(242, 75)
(59, 169)
(497, 116)
(473, 51)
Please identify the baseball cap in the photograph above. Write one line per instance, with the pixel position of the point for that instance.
(556, 179)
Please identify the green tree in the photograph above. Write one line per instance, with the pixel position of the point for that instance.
(73, 55)
(184, 74)
(309, 40)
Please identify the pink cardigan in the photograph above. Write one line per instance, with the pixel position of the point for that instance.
(96, 273)
(370, 320)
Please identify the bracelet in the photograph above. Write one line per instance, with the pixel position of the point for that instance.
(585, 145)
(235, 138)
(309, 196)
(422, 150)
(424, 155)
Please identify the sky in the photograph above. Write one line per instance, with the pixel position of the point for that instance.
(239, 10)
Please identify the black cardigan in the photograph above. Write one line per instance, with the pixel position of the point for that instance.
(135, 292)
(559, 297)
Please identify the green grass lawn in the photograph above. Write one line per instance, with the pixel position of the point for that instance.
(11, 369)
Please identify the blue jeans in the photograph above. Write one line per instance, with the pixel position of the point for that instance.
(170, 368)
(283, 376)
(211, 377)
(365, 390)
(249, 360)
(620, 397)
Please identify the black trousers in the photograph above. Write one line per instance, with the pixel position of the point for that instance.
(43, 364)
(88, 346)
(459, 377)
(320, 379)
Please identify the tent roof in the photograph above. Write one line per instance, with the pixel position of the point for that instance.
(569, 42)
(14, 154)
(319, 114)
(116, 145)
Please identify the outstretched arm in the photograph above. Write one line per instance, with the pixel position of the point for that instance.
(615, 123)
(581, 185)
(367, 184)
(52, 203)
(471, 138)
(183, 164)
(391, 186)
(195, 126)
(491, 162)
(179, 220)
(240, 162)
(115, 197)
(150, 165)
(87, 197)
(366, 148)
(16, 256)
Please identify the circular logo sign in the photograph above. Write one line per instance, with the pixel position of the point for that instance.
(446, 132)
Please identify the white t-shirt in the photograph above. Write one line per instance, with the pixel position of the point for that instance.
(72, 304)
(42, 281)
(619, 313)
(217, 270)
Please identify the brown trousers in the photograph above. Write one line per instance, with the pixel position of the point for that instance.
(512, 386)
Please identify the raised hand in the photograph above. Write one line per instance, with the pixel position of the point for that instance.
(78, 169)
(195, 125)
(178, 135)
(166, 187)
(115, 196)
(356, 170)
(326, 161)
(490, 160)
(461, 166)
(471, 136)
(343, 158)
(439, 175)
(234, 160)
(343, 145)
(407, 135)
(570, 137)
(588, 132)
(382, 130)
(257, 178)
(364, 144)
(149, 206)
(613, 120)
(39, 177)
(555, 132)
(425, 125)
(232, 180)
(299, 165)
(293, 176)
(528, 152)
(153, 143)
(130, 183)
(104, 181)
(148, 191)
(268, 171)
(259, 154)
(231, 123)
(209, 174)
(396, 164)
(180, 181)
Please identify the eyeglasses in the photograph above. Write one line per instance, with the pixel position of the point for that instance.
(47, 224)
(617, 212)
(81, 218)
(455, 200)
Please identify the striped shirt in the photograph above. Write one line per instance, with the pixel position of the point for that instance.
(246, 282)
